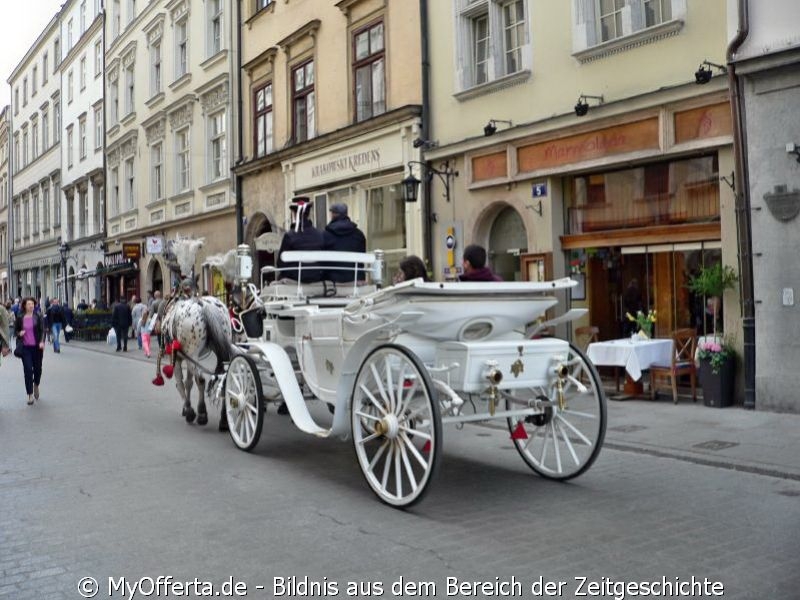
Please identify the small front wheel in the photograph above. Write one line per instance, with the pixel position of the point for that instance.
(397, 428)
(565, 439)
(244, 402)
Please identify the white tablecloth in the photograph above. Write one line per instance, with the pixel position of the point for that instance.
(634, 356)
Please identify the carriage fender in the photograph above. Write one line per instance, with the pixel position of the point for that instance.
(290, 390)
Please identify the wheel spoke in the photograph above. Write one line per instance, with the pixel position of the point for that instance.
(409, 397)
(387, 463)
(378, 455)
(414, 452)
(574, 430)
(567, 443)
(369, 438)
(555, 446)
(576, 413)
(416, 432)
(372, 399)
(409, 471)
(389, 384)
(379, 382)
(398, 474)
(367, 416)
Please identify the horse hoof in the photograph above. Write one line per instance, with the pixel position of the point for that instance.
(190, 415)
(223, 425)
(202, 419)
(183, 412)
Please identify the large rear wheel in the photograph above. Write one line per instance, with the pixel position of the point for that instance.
(397, 428)
(565, 439)
(244, 402)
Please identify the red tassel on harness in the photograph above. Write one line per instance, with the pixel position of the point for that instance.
(168, 349)
(168, 370)
(519, 432)
(176, 345)
(159, 380)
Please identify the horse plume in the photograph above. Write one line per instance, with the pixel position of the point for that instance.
(225, 264)
(185, 250)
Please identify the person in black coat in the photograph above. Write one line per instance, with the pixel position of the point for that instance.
(121, 320)
(302, 236)
(343, 235)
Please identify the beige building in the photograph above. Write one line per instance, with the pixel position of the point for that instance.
(632, 184)
(169, 131)
(4, 187)
(331, 107)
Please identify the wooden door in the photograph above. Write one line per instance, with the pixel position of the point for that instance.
(601, 311)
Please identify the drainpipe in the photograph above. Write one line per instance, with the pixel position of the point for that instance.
(425, 131)
(743, 211)
(239, 125)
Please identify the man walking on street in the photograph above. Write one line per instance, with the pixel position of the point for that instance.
(56, 321)
(138, 311)
(121, 320)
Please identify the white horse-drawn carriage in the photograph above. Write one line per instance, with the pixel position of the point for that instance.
(397, 364)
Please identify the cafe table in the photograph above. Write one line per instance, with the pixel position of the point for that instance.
(634, 356)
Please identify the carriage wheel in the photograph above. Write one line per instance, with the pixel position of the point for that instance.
(397, 429)
(244, 402)
(564, 441)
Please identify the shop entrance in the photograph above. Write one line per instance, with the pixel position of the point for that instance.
(507, 240)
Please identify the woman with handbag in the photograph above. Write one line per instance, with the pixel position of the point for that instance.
(29, 326)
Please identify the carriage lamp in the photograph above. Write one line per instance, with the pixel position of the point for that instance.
(410, 188)
(244, 262)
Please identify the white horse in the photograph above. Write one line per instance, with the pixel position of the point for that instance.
(193, 328)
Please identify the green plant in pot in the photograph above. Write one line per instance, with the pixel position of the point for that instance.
(717, 358)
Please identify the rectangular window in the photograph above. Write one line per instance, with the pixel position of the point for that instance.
(82, 137)
(480, 49)
(56, 121)
(83, 72)
(98, 58)
(34, 80)
(44, 68)
(56, 54)
(129, 188)
(513, 35)
(45, 207)
(116, 9)
(98, 127)
(97, 203)
(56, 204)
(83, 17)
(69, 86)
(83, 213)
(181, 48)
(25, 92)
(70, 141)
(217, 141)
(214, 26)
(16, 153)
(45, 129)
(183, 156)
(263, 120)
(261, 4)
(35, 139)
(35, 204)
(129, 91)
(16, 100)
(303, 102)
(368, 66)
(69, 35)
(27, 218)
(611, 19)
(113, 101)
(114, 192)
(25, 147)
(157, 170)
(155, 69)
(657, 11)
(131, 11)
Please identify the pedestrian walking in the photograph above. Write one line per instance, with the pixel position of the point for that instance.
(5, 333)
(138, 313)
(121, 320)
(29, 326)
(56, 321)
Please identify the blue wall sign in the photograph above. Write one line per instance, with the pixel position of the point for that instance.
(539, 190)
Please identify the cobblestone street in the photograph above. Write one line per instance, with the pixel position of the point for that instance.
(103, 478)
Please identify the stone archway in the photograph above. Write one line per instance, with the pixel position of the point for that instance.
(155, 276)
(501, 230)
(257, 225)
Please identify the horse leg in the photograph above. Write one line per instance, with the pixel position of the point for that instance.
(188, 382)
(202, 415)
(188, 412)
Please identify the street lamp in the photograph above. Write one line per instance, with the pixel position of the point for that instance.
(411, 184)
(63, 249)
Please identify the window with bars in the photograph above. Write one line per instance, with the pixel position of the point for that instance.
(303, 122)
(262, 116)
(368, 67)
(218, 146)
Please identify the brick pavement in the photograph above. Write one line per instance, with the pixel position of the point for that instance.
(103, 478)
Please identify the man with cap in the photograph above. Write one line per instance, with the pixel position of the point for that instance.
(302, 235)
(343, 235)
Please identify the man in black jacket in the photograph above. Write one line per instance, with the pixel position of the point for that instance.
(56, 321)
(343, 235)
(121, 320)
(301, 236)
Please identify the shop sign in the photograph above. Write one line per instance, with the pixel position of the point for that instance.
(269, 242)
(703, 123)
(155, 245)
(114, 258)
(132, 251)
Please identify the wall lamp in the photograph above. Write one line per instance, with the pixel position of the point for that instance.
(424, 144)
(704, 74)
(582, 107)
(410, 184)
(491, 126)
(793, 149)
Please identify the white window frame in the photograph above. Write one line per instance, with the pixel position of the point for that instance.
(468, 12)
(44, 68)
(130, 183)
(114, 191)
(113, 101)
(56, 121)
(217, 146)
(116, 18)
(181, 47)
(83, 17)
(156, 69)
(82, 71)
(183, 160)
(70, 40)
(157, 171)
(70, 143)
(34, 77)
(131, 12)
(82, 137)
(98, 58)
(98, 127)
(45, 129)
(35, 139)
(130, 89)
(45, 207)
(70, 85)
(587, 43)
(215, 34)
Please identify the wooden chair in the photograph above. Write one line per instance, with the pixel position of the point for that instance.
(684, 345)
(588, 334)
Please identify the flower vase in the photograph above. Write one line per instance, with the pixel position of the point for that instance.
(643, 335)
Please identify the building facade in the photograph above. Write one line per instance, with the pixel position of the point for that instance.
(766, 64)
(82, 190)
(331, 95)
(169, 130)
(587, 154)
(36, 168)
(5, 281)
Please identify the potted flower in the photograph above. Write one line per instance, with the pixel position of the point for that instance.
(716, 372)
(717, 358)
(644, 322)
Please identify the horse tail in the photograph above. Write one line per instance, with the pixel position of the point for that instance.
(218, 338)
